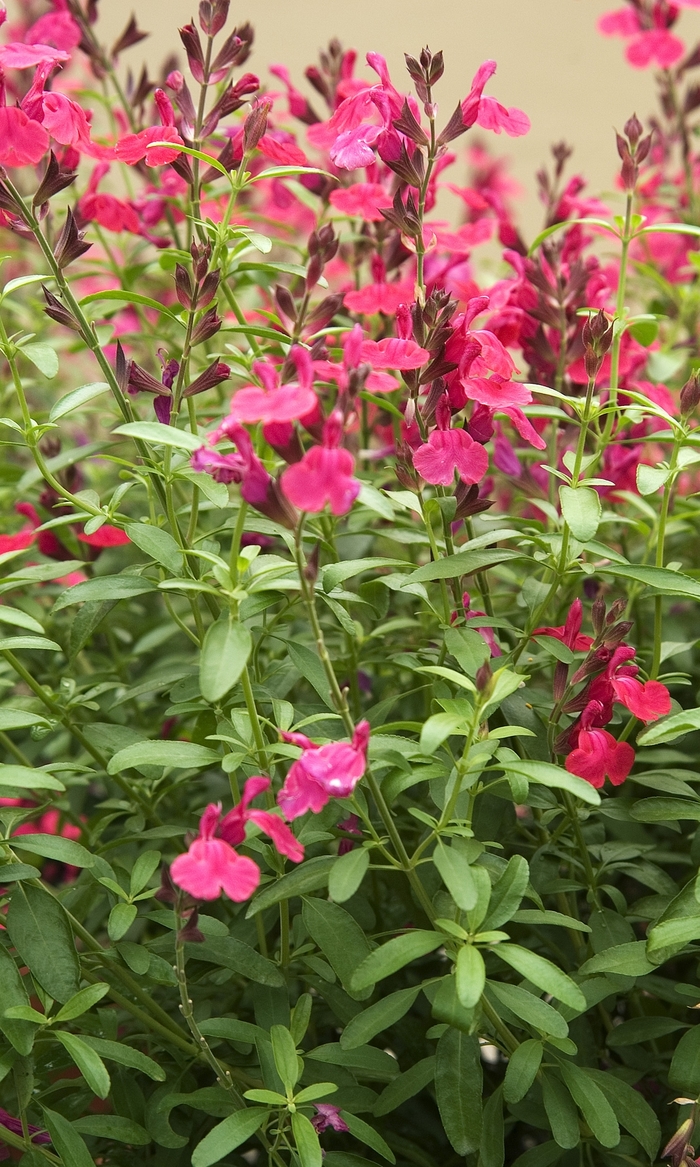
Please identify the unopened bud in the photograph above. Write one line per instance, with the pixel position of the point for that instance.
(483, 677)
(633, 130)
(690, 394)
(255, 125)
(598, 615)
(311, 569)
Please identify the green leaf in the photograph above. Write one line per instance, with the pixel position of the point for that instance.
(339, 937)
(366, 1134)
(464, 563)
(507, 893)
(285, 1054)
(641, 1029)
(668, 937)
(582, 511)
(684, 1074)
(179, 755)
(492, 1149)
(393, 955)
(40, 931)
(83, 1000)
(521, 1070)
(88, 1062)
(10, 872)
(561, 1112)
(438, 728)
(309, 876)
(112, 1126)
(556, 919)
(365, 1062)
(56, 847)
(631, 1111)
(380, 1016)
(124, 1055)
(592, 1103)
(104, 587)
(36, 643)
(662, 810)
(120, 920)
(337, 573)
(20, 1034)
(158, 434)
(458, 1086)
(651, 478)
(663, 581)
(24, 778)
(66, 1140)
(227, 1135)
(457, 875)
(469, 649)
(123, 296)
(670, 728)
(76, 398)
(225, 652)
(143, 870)
(554, 777)
(530, 1008)
(629, 959)
(229, 952)
(157, 543)
(312, 1093)
(43, 356)
(347, 874)
(19, 719)
(20, 619)
(542, 973)
(470, 975)
(306, 1140)
(311, 669)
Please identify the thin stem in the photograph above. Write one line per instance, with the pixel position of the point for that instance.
(619, 313)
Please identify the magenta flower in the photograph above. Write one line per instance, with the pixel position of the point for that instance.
(23, 141)
(647, 700)
(448, 451)
(394, 353)
(324, 474)
(133, 148)
(322, 772)
(211, 865)
(598, 755)
(649, 43)
(243, 465)
(274, 402)
(489, 113)
(569, 633)
(26, 56)
(14, 1124)
(362, 200)
(328, 1116)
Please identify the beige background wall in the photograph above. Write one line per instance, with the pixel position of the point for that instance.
(552, 62)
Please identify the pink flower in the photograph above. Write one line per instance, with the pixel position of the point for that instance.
(570, 632)
(324, 474)
(449, 450)
(257, 487)
(284, 153)
(322, 772)
(275, 402)
(647, 700)
(648, 45)
(394, 353)
(361, 200)
(211, 865)
(23, 142)
(232, 827)
(65, 121)
(19, 56)
(57, 27)
(353, 148)
(15, 1126)
(134, 148)
(488, 112)
(598, 755)
(327, 1116)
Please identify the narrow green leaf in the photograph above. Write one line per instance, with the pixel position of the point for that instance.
(20, 1034)
(43, 356)
(76, 398)
(104, 587)
(631, 1111)
(530, 1008)
(458, 1085)
(83, 1000)
(56, 847)
(285, 1055)
(123, 296)
(112, 1126)
(179, 755)
(393, 955)
(24, 778)
(306, 1140)
(542, 973)
(87, 1060)
(158, 434)
(464, 563)
(124, 1055)
(366, 1134)
(225, 652)
(339, 937)
(40, 931)
(380, 1016)
(629, 959)
(157, 543)
(347, 874)
(555, 777)
(66, 1140)
(309, 876)
(521, 1070)
(561, 1112)
(470, 975)
(582, 511)
(592, 1103)
(228, 1135)
(456, 874)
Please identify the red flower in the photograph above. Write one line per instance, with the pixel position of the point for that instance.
(323, 772)
(570, 632)
(598, 755)
(274, 402)
(134, 148)
(105, 536)
(57, 27)
(362, 200)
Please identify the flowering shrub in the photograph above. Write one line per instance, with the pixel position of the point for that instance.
(349, 588)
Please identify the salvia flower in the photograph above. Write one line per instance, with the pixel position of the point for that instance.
(569, 633)
(322, 772)
(211, 865)
(324, 476)
(274, 402)
(328, 1117)
(598, 755)
(449, 451)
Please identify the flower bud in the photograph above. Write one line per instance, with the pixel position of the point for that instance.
(193, 48)
(483, 677)
(255, 125)
(212, 16)
(690, 394)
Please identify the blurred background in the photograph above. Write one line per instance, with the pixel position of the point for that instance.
(573, 83)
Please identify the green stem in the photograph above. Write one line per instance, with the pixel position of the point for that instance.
(666, 506)
(619, 313)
